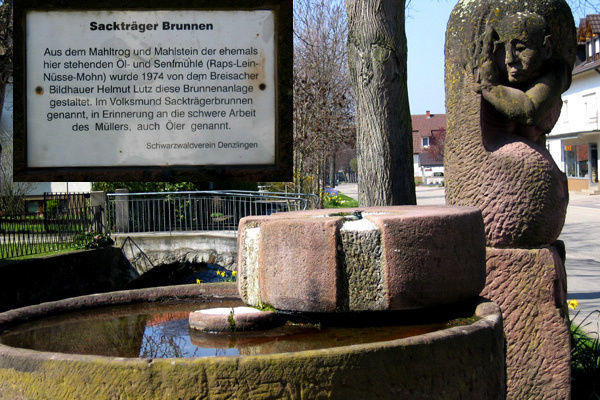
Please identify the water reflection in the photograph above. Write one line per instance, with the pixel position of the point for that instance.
(172, 339)
(161, 331)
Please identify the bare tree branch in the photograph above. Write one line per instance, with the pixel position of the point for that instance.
(323, 108)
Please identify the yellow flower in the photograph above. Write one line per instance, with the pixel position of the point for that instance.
(198, 281)
(573, 304)
(234, 273)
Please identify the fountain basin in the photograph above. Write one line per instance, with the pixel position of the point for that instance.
(459, 362)
(362, 259)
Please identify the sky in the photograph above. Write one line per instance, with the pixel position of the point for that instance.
(425, 33)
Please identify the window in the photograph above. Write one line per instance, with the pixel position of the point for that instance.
(576, 160)
(425, 142)
(597, 49)
(590, 50)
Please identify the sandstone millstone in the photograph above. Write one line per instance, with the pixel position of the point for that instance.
(367, 259)
(232, 319)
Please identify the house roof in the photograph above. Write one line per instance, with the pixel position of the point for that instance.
(586, 67)
(588, 26)
(424, 123)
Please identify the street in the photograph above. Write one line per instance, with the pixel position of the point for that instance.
(581, 235)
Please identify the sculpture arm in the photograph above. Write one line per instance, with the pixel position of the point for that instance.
(526, 107)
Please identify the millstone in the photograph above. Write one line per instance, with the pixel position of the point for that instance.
(369, 259)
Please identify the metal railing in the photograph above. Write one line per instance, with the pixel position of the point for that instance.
(36, 233)
(196, 211)
(56, 202)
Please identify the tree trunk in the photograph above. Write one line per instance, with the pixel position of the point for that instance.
(377, 60)
(6, 47)
(332, 171)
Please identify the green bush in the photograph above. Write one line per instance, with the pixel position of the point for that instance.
(585, 359)
(91, 240)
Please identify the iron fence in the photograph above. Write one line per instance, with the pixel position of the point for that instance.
(196, 211)
(35, 233)
(55, 202)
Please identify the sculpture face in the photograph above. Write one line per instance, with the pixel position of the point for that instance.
(526, 47)
(523, 61)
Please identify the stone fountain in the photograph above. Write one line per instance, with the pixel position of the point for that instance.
(369, 268)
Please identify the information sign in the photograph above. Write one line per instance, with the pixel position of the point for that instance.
(175, 92)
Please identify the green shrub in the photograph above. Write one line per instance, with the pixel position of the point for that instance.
(91, 240)
(585, 358)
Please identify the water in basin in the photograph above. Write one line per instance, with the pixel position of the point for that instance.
(160, 330)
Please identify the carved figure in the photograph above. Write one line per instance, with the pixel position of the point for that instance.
(507, 64)
(518, 78)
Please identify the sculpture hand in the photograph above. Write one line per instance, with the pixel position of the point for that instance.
(488, 43)
(488, 74)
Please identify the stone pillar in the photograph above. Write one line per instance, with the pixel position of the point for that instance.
(122, 211)
(530, 286)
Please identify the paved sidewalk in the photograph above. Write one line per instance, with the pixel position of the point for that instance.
(426, 195)
(581, 235)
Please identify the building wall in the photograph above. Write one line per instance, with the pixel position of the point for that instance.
(425, 164)
(574, 141)
(555, 148)
(416, 166)
(580, 105)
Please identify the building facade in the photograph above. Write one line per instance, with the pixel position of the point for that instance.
(575, 138)
(429, 131)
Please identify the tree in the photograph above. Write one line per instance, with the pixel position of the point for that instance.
(323, 112)
(584, 6)
(140, 187)
(6, 47)
(377, 59)
(436, 143)
(12, 194)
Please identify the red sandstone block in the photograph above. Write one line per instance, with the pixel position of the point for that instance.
(530, 286)
(433, 255)
(416, 257)
(298, 264)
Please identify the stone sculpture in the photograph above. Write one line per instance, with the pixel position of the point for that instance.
(507, 63)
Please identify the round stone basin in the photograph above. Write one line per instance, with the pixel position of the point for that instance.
(362, 259)
(465, 361)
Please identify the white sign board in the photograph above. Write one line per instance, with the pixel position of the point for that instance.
(150, 88)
